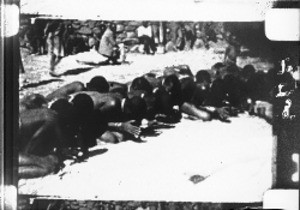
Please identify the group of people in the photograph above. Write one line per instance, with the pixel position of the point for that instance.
(70, 120)
(60, 38)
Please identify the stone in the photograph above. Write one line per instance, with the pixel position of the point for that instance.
(131, 34)
(130, 28)
(120, 28)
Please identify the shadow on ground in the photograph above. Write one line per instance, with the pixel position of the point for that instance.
(43, 82)
(97, 152)
(76, 71)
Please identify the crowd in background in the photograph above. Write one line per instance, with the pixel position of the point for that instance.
(75, 37)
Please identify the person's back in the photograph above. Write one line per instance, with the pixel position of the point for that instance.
(107, 43)
(66, 90)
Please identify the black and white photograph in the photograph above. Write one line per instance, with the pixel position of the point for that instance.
(157, 105)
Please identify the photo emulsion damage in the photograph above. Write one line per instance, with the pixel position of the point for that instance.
(142, 111)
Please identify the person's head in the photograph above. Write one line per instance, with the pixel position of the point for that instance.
(141, 83)
(247, 72)
(112, 26)
(185, 69)
(170, 71)
(218, 69)
(232, 69)
(203, 77)
(102, 28)
(135, 108)
(64, 109)
(145, 24)
(83, 106)
(233, 40)
(34, 101)
(98, 84)
(171, 83)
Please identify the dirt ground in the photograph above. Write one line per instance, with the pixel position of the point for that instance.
(37, 79)
(231, 160)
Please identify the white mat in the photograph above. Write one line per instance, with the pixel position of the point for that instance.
(235, 157)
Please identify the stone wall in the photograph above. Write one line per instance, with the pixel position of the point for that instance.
(127, 30)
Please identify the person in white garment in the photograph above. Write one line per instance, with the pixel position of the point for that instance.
(145, 37)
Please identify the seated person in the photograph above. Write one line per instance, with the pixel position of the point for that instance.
(145, 37)
(97, 83)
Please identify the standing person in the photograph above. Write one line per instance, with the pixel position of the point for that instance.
(39, 41)
(180, 34)
(189, 37)
(54, 31)
(108, 45)
(232, 51)
(145, 37)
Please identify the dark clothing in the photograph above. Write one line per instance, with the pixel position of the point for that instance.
(148, 43)
(180, 39)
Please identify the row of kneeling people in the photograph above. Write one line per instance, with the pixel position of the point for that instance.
(73, 118)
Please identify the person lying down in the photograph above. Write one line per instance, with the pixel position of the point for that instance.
(78, 115)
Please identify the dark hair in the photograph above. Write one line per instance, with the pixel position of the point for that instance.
(135, 107)
(203, 76)
(173, 82)
(248, 71)
(98, 83)
(83, 105)
(112, 26)
(141, 83)
(63, 108)
(184, 69)
(233, 69)
(218, 67)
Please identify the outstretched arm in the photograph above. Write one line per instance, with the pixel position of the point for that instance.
(192, 110)
(127, 127)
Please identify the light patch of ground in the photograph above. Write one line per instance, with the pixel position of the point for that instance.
(233, 159)
(37, 67)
